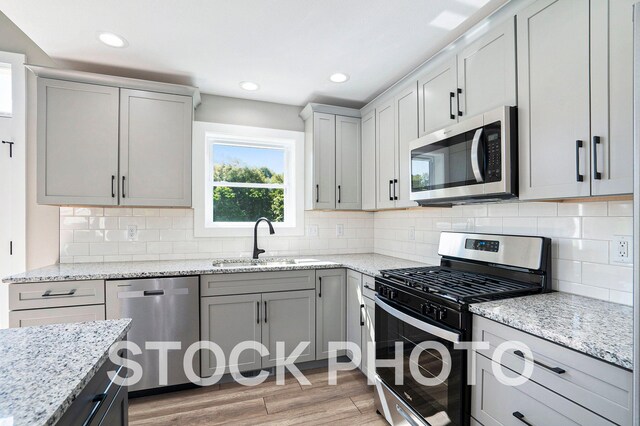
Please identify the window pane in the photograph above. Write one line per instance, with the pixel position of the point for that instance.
(6, 108)
(235, 163)
(247, 204)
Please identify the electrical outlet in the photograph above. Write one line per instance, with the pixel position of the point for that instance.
(313, 230)
(622, 249)
(412, 233)
(132, 232)
(339, 230)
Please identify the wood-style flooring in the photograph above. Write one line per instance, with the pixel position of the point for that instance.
(350, 402)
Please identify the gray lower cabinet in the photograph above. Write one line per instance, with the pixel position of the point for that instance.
(368, 338)
(267, 318)
(360, 318)
(331, 310)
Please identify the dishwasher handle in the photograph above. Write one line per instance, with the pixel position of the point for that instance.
(153, 292)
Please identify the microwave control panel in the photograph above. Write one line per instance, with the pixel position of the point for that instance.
(494, 158)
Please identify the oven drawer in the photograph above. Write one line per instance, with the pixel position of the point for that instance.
(601, 387)
(368, 286)
(497, 404)
(55, 294)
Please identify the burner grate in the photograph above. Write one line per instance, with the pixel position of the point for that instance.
(460, 286)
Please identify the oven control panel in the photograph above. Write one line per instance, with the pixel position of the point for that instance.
(482, 245)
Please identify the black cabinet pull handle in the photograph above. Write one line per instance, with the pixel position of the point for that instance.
(317, 193)
(458, 93)
(320, 290)
(556, 370)
(258, 312)
(49, 294)
(596, 174)
(395, 181)
(579, 177)
(123, 195)
(390, 183)
(339, 194)
(265, 311)
(113, 189)
(153, 292)
(451, 96)
(98, 400)
(361, 316)
(518, 415)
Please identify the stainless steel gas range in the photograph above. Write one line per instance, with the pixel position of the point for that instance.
(422, 317)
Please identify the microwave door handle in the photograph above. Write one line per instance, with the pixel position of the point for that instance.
(475, 159)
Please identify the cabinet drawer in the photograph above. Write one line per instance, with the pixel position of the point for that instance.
(368, 286)
(32, 317)
(495, 404)
(256, 282)
(55, 294)
(601, 387)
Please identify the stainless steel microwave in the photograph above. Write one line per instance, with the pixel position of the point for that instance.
(472, 161)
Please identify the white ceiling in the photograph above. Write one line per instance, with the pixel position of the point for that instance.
(288, 47)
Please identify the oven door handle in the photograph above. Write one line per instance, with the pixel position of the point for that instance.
(424, 326)
(475, 160)
(406, 416)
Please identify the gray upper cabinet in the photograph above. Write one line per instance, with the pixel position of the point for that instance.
(105, 140)
(437, 104)
(348, 163)
(369, 161)
(575, 98)
(612, 97)
(406, 120)
(385, 154)
(487, 72)
(77, 143)
(155, 149)
(333, 157)
(288, 317)
(331, 305)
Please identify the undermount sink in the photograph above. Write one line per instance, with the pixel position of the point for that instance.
(261, 263)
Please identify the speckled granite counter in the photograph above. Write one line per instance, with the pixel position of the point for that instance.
(44, 369)
(595, 327)
(369, 264)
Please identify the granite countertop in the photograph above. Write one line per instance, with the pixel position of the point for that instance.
(45, 368)
(595, 327)
(369, 264)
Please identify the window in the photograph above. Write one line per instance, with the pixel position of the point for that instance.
(248, 173)
(6, 93)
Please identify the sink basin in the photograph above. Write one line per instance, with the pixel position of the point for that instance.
(261, 263)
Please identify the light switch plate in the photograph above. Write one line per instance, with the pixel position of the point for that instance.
(313, 230)
(339, 230)
(412, 233)
(622, 249)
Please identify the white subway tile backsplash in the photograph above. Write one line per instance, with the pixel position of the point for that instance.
(581, 234)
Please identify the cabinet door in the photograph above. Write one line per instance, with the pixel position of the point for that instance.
(487, 72)
(227, 321)
(369, 161)
(155, 149)
(355, 309)
(288, 317)
(331, 305)
(612, 97)
(385, 154)
(368, 337)
(406, 104)
(553, 91)
(348, 164)
(77, 143)
(324, 160)
(33, 317)
(437, 107)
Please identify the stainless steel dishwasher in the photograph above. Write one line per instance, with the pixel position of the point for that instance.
(163, 310)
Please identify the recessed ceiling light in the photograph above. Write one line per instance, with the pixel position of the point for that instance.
(339, 77)
(249, 85)
(448, 20)
(112, 40)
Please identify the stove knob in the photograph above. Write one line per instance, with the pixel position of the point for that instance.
(442, 314)
(392, 294)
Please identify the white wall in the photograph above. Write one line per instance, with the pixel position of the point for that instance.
(582, 235)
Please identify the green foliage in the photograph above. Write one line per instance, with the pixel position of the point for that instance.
(247, 204)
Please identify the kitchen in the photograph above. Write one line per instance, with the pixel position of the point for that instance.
(479, 190)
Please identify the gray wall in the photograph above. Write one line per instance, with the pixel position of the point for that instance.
(42, 222)
(245, 112)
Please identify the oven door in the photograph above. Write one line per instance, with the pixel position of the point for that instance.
(438, 404)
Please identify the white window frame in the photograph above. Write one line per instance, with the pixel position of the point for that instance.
(293, 143)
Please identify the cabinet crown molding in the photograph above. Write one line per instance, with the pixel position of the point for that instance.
(328, 109)
(115, 81)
